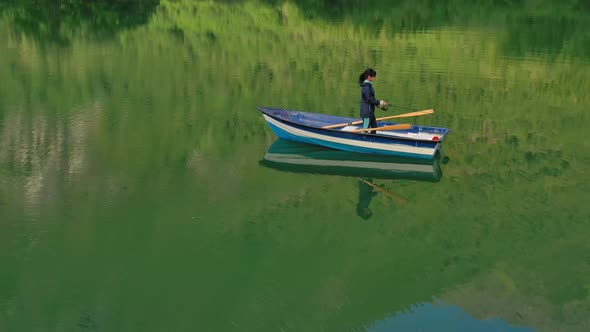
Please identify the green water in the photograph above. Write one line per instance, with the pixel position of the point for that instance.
(133, 196)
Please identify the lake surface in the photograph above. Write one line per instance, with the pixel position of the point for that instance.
(141, 190)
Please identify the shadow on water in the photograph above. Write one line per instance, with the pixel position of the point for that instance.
(557, 26)
(53, 20)
(546, 35)
(295, 157)
(424, 13)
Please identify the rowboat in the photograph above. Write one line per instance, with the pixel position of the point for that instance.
(289, 156)
(306, 127)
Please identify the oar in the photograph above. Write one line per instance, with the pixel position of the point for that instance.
(400, 126)
(387, 193)
(405, 115)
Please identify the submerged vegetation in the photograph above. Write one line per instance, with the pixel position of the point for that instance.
(157, 125)
(57, 20)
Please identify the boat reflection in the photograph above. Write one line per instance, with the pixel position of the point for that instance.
(304, 158)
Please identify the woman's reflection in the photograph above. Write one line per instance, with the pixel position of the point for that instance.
(367, 192)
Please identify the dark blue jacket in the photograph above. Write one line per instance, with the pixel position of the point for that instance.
(368, 100)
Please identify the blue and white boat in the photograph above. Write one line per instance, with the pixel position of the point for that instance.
(306, 127)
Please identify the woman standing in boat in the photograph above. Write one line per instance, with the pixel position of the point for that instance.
(368, 100)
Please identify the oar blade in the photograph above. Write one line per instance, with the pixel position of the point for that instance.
(407, 115)
(401, 126)
(419, 113)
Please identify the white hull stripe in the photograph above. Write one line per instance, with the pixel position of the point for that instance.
(299, 160)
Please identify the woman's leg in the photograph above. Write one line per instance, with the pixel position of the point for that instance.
(373, 124)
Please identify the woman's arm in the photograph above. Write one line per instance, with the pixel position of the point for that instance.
(369, 96)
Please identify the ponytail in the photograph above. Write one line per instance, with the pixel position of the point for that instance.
(362, 78)
(368, 72)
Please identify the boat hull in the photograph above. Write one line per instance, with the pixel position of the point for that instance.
(352, 142)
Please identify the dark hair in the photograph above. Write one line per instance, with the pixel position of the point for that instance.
(368, 72)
